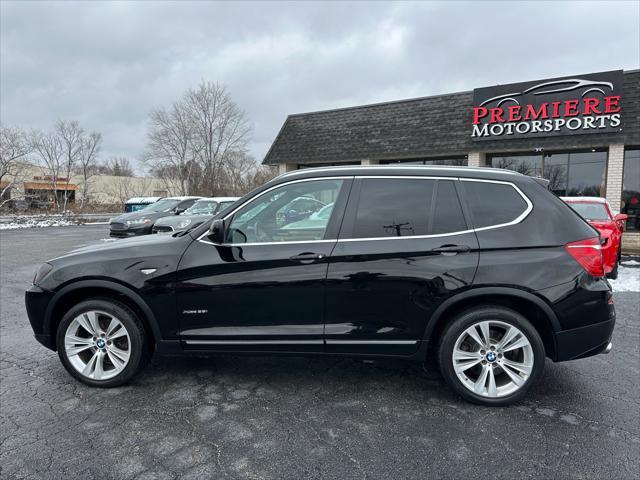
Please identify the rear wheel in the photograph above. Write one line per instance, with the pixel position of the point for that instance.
(102, 343)
(491, 355)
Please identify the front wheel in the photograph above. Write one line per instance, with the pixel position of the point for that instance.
(101, 342)
(491, 355)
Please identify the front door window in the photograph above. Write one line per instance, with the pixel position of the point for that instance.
(295, 212)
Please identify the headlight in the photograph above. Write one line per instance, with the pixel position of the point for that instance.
(42, 272)
(140, 221)
(184, 223)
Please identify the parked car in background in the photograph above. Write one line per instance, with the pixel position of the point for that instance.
(19, 204)
(481, 272)
(597, 212)
(138, 203)
(141, 222)
(193, 216)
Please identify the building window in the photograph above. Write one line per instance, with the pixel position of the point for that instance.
(569, 174)
(631, 189)
(455, 162)
(525, 164)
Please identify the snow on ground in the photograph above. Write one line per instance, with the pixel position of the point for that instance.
(628, 277)
(37, 222)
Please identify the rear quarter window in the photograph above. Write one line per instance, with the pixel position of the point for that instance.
(493, 204)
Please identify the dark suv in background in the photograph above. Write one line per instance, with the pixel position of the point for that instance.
(482, 272)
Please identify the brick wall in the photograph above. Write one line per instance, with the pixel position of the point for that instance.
(614, 176)
(477, 159)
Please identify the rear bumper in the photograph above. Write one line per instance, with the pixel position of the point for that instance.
(584, 341)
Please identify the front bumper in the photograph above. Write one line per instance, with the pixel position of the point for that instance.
(37, 300)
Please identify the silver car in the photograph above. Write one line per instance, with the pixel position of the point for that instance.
(199, 212)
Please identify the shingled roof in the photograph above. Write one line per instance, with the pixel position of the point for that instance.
(437, 126)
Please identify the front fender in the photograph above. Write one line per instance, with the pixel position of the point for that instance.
(107, 285)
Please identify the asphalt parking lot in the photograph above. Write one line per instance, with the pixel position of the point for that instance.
(257, 417)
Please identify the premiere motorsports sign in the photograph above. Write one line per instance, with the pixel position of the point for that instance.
(562, 106)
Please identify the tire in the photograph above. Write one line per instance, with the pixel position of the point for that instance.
(613, 274)
(109, 353)
(510, 371)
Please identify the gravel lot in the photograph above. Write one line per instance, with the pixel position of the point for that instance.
(263, 417)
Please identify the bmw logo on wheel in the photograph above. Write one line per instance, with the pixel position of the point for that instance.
(491, 357)
(100, 343)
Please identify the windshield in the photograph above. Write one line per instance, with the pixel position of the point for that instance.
(163, 205)
(590, 211)
(224, 205)
(202, 207)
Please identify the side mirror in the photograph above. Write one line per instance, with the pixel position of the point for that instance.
(178, 211)
(216, 231)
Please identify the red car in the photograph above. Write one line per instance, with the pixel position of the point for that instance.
(597, 212)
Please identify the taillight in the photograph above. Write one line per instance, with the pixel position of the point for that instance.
(588, 253)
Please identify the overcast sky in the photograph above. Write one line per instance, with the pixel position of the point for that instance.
(108, 64)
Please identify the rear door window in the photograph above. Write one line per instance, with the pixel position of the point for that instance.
(405, 207)
(493, 204)
(389, 207)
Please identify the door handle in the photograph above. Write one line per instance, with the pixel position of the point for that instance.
(451, 249)
(307, 257)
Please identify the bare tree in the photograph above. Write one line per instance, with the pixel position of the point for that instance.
(190, 144)
(49, 151)
(116, 166)
(124, 188)
(72, 139)
(242, 174)
(14, 149)
(87, 160)
(171, 149)
(220, 128)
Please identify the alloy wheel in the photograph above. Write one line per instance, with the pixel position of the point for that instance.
(493, 359)
(97, 345)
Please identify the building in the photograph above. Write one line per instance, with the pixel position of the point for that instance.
(580, 132)
(37, 187)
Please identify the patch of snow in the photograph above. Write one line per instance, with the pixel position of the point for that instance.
(30, 221)
(628, 278)
(630, 262)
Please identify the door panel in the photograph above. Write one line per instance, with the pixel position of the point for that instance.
(252, 295)
(263, 289)
(381, 292)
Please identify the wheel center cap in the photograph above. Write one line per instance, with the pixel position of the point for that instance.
(100, 343)
(491, 357)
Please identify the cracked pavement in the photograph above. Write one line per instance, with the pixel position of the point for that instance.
(279, 417)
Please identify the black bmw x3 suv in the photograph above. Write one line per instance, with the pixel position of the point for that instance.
(482, 272)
